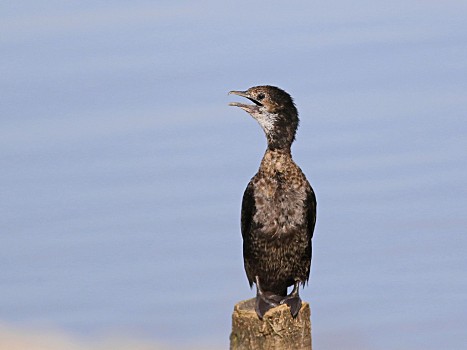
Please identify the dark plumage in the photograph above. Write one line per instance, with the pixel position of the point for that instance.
(278, 207)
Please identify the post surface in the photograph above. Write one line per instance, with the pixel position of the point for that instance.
(278, 330)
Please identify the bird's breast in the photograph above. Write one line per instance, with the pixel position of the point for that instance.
(280, 206)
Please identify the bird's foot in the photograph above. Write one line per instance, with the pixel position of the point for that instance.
(265, 300)
(294, 302)
(265, 303)
(293, 299)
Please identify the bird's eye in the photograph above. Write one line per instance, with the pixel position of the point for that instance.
(260, 96)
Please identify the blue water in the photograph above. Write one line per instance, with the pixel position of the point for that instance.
(123, 167)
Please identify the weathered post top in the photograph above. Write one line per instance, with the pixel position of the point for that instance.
(277, 331)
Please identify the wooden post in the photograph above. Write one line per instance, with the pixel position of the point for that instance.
(277, 331)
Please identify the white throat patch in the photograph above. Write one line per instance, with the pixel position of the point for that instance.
(266, 120)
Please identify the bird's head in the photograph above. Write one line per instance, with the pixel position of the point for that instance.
(274, 110)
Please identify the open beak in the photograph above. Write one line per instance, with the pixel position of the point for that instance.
(246, 107)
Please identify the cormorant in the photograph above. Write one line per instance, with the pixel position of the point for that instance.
(278, 207)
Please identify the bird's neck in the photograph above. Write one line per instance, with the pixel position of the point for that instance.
(276, 160)
(281, 137)
(278, 143)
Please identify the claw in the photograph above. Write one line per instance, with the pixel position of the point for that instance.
(295, 304)
(293, 300)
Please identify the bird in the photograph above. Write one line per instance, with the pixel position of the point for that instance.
(278, 213)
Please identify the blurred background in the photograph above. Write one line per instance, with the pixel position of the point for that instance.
(123, 168)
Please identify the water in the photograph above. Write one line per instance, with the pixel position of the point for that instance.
(123, 167)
